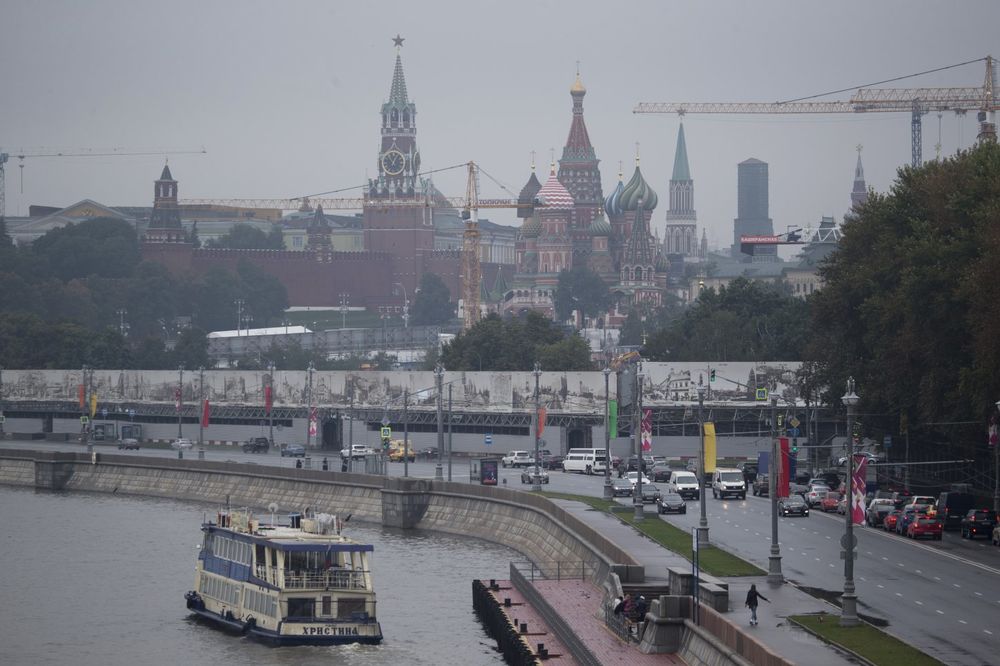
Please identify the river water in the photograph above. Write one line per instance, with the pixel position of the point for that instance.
(92, 579)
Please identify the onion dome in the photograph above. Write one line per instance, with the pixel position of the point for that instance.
(599, 226)
(554, 194)
(613, 203)
(526, 200)
(662, 265)
(532, 227)
(637, 190)
(577, 87)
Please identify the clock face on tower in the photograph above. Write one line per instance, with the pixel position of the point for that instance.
(393, 162)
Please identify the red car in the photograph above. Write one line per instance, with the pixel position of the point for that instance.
(925, 525)
(829, 503)
(889, 522)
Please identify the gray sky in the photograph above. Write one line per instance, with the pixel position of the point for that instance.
(285, 96)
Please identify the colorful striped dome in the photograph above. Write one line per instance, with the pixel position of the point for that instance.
(637, 190)
(532, 227)
(613, 203)
(554, 195)
(599, 226)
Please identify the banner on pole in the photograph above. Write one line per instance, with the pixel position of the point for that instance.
(613, 417)
(205, 414)
(177, 398)
(859, 483)
(647, 430)
(312, 422)
(784, 468)
(709, 447)
(268, 400)
(992, 432)
(93, 404)
(541, 421)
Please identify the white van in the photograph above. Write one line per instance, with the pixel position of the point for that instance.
(585, 461)
(684, 483)
(728, 482)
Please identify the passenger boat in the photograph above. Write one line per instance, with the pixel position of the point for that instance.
(300, 583)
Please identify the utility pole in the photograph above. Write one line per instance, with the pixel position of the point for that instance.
(180, 401)
(309, 412)
(270, 404)
(637, 506)
(439, 378)
(536, 484)
(406, 433)
(201, 417)
(702, 533)
(239, 302)
(344, 300)
(2, 417)
(774, 575)
(449, 433)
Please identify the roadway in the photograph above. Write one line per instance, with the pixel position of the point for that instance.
(943, 597)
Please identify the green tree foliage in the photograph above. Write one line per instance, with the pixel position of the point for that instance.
(266, 297)
(432, 304)
(248, 237)
(911, 301)
(581, 289)
(191, 349)
(744, 321)
(515, 344)
(102, 246)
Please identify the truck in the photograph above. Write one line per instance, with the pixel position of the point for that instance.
(954, 504)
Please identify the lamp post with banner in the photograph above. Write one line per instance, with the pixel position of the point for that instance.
(609, 491)
(849, 616)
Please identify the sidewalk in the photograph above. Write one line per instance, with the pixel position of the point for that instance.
(774, 630)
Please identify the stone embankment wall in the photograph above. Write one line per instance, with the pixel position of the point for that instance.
(530, 524)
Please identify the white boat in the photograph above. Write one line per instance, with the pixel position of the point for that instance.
(300, 583)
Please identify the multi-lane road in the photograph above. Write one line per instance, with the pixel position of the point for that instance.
(943, 597)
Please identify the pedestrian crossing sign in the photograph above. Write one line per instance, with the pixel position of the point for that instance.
(386, 432)
(762, 394)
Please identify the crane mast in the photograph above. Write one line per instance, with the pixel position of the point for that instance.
(916, 101)
(471, 270)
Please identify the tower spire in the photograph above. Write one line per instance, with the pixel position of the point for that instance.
(680, 235)
(859, 193)
(578, 167)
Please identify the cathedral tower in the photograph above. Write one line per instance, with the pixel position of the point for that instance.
(165, 220)
(680, 236)
(859, 193)
(578, 170)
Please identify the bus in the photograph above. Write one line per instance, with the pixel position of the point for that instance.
(586, 461)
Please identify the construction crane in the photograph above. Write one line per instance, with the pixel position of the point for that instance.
(5, 157)
(349, 203)
(471, 270)
(918, 101)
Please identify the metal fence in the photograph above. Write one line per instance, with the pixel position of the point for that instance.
(558, 570)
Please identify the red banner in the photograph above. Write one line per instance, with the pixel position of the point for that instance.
(313, 429)
(267, 399)
(859, 483)
(205, 414)
(541, 421)
(783, 468)
(646, 430)
(177, 398)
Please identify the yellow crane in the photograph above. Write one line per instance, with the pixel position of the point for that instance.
(917, 101)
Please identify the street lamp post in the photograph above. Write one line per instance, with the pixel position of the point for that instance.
(637, 505)
(609, 491)
(201, 416)
(849, 616)
(309, 412)
(406, 306)
(449, 434)
(536, 484)
(122, 326)
(774, 574)
(703, 519)
(996, 468)
(344, 300)
(270, 406)
(239, 302)
(439, 377)
(180, 401)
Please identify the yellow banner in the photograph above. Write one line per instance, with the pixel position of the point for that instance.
(709, 447)
(93, 404)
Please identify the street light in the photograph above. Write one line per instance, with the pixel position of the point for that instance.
(345, 299)
(609, 491)
(849, 615)
(774, 574)
(439, 377)
(703, 520)
(637, 504)
(406, 306)
(536, 483)
(122, 326)
(239, 303)
(996, 470)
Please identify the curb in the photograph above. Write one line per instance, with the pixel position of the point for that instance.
(847, 651)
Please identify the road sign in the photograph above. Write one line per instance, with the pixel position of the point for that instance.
(887, 441)
(386, 432)
(488, 439)
(761, 394)
(853, 542)
(84, 420)
(794, 422)
(793, 432)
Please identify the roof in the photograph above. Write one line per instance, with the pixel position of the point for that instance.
(554, 194)
(638, 190)
(273, 330)
(166, 173)
(681, 170)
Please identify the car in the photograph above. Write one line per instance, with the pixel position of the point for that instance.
(633, 478)
(761, 486)
(978, 521)
(692, 466)
(632, 463)
(829, 502)
(728, 482)
(878, 509)
(816, 495)
(399, 450)
(750, 470)
(925, 525)
(529, 475)
(551, 461)
(650, 492)
(890, 520)
(293, 450)
(517, 459)
(256, 445)
(181, 443)
(908, 516)
(621, 488)
(793, 505)
(685, 484)
(128, 444)
(428, 452)
(660, 472)
(670, 502)
(357, 451)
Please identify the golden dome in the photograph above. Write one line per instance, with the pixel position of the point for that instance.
(578, 85)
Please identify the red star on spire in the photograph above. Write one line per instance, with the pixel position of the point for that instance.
(397, 40)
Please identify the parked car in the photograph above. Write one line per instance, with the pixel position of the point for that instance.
(181, 443)
(829, 502)
(256, 445)
(890, 520)
(793, 505)
(728, 482)
(670, 502)
(517, 459)
(761, 485)
(978, 521)
(529, 475)
(878, 509)
(293, 450)
(650, 492)
(621, 487)
(128, 444)
(816, 495)
(925, 525)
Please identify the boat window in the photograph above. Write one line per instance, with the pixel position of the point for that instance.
(302, 607)
(327, 605)
(347, 607)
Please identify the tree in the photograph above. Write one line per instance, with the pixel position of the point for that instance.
(266, 297)
(432, 303)
(581, 289)
(515, 344)
(191, 349)
(107, 247)
(243, 236)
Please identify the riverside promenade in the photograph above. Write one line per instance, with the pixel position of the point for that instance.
(579, 605)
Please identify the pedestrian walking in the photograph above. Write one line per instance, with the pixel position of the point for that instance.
(752, 596)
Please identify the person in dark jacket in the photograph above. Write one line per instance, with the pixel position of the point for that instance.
(752, 596)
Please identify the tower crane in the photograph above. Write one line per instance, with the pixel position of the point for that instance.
(918, 101)
(5, 157)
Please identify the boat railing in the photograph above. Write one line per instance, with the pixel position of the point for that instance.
(338, 579)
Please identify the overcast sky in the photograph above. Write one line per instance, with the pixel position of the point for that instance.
(285, 96)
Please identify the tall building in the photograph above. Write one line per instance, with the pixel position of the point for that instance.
(752, 210)
(680, 236)
(859, 193)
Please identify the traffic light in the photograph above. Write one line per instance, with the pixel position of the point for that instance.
(711, 376)
(795, 444)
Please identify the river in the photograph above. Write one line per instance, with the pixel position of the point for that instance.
(93, 579)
